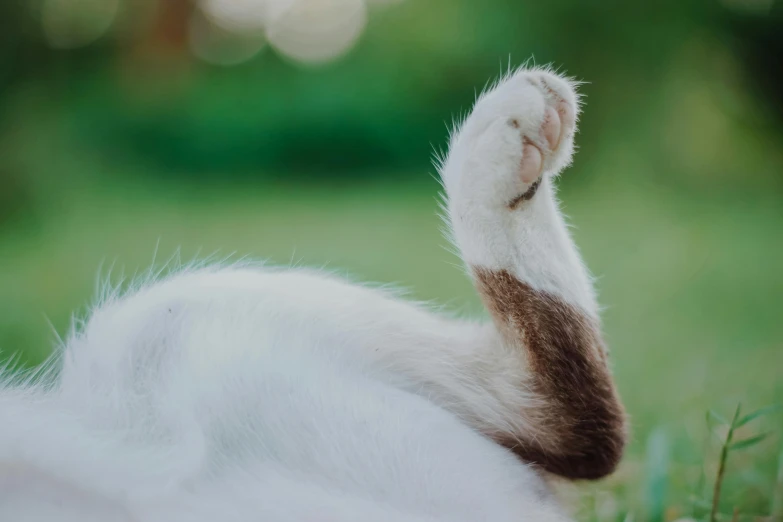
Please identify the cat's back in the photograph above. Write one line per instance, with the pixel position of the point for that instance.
(222, 381)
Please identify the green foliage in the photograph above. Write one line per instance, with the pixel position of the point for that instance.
(384, 105)
(730, 445)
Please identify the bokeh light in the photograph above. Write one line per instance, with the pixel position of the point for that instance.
(217, 45)
(236, 15)
(228, 32)
(317, 30)
(304, 30)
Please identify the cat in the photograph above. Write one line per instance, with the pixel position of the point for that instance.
(242, 393)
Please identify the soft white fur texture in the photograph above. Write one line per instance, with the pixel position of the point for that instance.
(256, 394)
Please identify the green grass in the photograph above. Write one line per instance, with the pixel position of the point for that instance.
(691, 284)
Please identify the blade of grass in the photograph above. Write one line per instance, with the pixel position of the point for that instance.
(747, 443)
(758, 413)
(724, 454)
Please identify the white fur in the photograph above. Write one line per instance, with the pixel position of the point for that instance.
(243, 393)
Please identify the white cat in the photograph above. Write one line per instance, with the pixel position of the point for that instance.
(249, 394)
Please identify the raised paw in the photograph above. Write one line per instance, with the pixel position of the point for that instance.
(518, 132)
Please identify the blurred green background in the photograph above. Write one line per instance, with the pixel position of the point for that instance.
(301, 131)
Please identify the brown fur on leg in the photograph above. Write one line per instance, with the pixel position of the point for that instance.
(583, 422)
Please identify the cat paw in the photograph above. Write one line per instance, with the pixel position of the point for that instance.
(518, 132)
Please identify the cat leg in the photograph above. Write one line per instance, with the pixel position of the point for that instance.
(499, 179)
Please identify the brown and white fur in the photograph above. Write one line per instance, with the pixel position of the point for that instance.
(258, 394)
